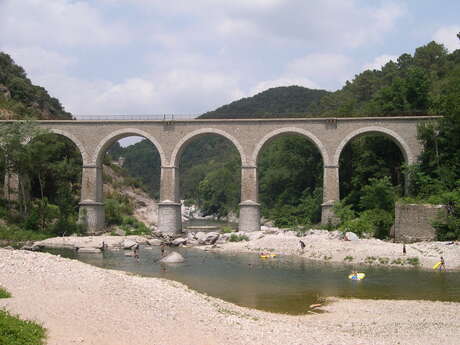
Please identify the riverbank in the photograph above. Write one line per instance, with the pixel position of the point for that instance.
(82, 304)
(329, 246)
(320, 245)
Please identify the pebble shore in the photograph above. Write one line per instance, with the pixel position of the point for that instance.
(83, 304)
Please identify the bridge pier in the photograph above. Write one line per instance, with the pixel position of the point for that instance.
(249, 207)
(169, 208)
(91, 212)
(331, 194)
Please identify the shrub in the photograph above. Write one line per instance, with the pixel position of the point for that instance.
(4, 293)
(414, 261)
(226, 230)
(238, 238)
(348, 258)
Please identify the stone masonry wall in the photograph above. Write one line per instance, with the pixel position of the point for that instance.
(413, 222)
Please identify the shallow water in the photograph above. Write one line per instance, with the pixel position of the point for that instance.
(284, 284)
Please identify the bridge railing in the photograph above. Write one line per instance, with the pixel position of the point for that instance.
(140, 117)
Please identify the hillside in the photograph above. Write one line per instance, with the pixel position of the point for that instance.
(20, 99)
(286, 101)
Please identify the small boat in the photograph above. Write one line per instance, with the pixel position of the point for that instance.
(267, 256)
(357, 276)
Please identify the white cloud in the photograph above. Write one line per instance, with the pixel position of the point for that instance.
(447, 35)
(56, 22)
(176, 56)
(380, 61)
(315, 71)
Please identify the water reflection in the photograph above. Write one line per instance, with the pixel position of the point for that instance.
(283, 284)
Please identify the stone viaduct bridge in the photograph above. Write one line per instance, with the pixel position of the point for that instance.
(329, 135)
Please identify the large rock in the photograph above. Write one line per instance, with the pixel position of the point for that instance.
(172, 258)
(211, 238)
(178, 241)
(155, 242)
(128, 244)
(351, 236)
(255, 235)
(201, 237)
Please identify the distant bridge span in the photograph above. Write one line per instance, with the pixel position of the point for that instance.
(170, 137)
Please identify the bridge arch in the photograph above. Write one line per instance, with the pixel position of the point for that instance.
(290, 130)
(180, 146)
(105, 143)
(409, 158)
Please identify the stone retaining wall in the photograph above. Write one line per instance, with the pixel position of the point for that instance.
(413, 222)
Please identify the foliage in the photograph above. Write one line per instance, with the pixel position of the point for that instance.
(4, 293)
(238, 238)
(26, 100)
(16, 234)
(14, 331)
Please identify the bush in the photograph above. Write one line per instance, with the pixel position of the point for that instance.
(226, 230)
(14, 331)
(4, 293)
(14, 233)
(238, 238)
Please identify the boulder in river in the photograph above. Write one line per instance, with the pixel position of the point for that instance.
(172, 258)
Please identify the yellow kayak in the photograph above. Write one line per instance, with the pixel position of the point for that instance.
(267, 256)
(357, 276)
(436, 265)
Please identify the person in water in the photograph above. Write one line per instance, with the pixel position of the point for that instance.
(136, 252)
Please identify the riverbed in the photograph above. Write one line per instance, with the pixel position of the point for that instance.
(283, 284)
(83, 304)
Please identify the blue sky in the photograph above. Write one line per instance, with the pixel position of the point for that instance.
(188, 57)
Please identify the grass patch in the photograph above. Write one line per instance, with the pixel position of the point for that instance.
(238, 238)
(14, 331)
(370, 260)
(15, 234)
(398, 261)
(4, 294)
(384, 260)
(414, 261)
(348, 258)
(226, 230)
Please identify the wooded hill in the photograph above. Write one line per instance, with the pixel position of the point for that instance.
(20, 99)
(285, 101)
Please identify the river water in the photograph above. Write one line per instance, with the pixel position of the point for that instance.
(284, 284)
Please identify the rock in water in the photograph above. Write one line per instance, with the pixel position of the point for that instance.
(173, 258)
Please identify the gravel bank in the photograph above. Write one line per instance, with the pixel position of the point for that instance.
(328, 246)
(82, 304)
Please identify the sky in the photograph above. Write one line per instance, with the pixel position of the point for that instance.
(104, 57)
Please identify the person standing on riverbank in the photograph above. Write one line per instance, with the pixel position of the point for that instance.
(442, 266)
(302, 245)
